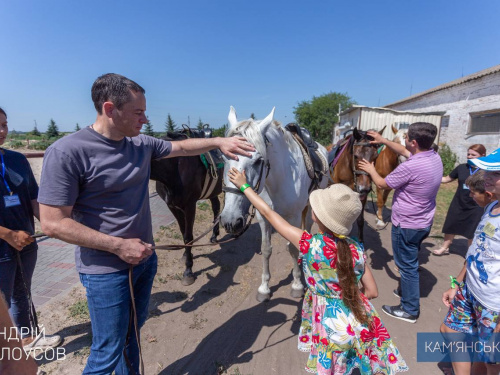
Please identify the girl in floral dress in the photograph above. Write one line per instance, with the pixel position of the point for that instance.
(340, 327)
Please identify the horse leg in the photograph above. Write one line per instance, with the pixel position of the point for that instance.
(189, 215)
(216, 210)
(381, 199)
(361, 221)
(264, 293)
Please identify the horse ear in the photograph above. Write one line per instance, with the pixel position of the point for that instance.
(231, 118)
(264, 124)
(382, 131)
(356, 134)
(394, 129)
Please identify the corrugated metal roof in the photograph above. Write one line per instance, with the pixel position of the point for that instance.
(354, 107)
(456, 82)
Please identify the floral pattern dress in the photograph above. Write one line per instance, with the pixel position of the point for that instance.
(337, 342)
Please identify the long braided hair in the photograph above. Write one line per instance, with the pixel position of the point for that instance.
(348, 284)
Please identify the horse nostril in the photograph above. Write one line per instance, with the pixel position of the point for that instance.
(239, 223)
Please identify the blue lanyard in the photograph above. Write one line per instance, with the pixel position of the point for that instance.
(470, 170)
(3, 175)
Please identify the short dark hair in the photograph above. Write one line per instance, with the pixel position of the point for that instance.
(3, 112)
(422, 132)
(114, 88)
(476, 182)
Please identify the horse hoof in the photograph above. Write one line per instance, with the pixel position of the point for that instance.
(263, 297)
(297, 293)
(188, 280)
(213, 240)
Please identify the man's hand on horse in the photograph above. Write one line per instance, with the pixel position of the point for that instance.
(234, 146)
(377, 138)
(236, 177)
(366, 166)
(133, 250)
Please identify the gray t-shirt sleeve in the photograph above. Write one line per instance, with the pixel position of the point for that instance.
(161, 148)
(60, 179)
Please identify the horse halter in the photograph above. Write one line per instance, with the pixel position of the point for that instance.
(228, 189)
(355, 171)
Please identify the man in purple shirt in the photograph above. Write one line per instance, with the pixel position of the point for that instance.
(416, 183)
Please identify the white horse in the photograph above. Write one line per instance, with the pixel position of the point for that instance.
(278, 173)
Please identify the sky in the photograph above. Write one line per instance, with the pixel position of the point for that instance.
(195, 59)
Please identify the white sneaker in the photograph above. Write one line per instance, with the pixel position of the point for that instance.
(43, 341)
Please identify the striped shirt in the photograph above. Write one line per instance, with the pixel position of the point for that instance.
(416, 183)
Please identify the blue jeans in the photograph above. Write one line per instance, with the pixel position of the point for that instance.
(405, 246)
(109, 302)
(11, 285)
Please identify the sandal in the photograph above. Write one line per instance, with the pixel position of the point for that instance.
(441, 251)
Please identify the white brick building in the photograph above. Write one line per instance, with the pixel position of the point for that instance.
(471, 107)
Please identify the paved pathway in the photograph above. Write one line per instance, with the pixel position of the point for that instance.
(55, 272)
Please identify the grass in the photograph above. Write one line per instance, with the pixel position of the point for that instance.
(80, 310)
(443, 200)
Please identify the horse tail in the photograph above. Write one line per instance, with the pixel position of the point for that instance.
(348, 284)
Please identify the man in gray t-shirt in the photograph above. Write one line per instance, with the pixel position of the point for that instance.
(93, 193)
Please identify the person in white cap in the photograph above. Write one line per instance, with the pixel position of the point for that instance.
(340, 327)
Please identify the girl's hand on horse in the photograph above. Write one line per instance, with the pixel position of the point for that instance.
(366, 166)
(236, 177)
(235, 145)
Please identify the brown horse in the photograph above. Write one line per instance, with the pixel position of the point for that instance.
(386, 162)
(180, 182)
(346, 170)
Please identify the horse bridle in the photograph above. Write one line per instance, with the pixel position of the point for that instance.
(355, 171)
(265, 164)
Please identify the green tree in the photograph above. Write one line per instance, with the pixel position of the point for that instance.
(448, 157)
(319, 114)
(77, 127)
(170, 125)
(200, 124)
(52, 131)
(35, 131)
(148, 129)
(220, 132)
(252, 116)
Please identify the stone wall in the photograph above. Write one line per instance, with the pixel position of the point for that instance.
(479, 95)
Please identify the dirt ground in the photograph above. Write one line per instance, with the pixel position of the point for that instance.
(216, 326)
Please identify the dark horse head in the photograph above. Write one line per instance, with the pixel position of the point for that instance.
(362, 149)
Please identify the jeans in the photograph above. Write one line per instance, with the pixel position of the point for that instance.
(12, 286)
(109, 302)
(405, 246)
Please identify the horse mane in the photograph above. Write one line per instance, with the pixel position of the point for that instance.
(250, 131)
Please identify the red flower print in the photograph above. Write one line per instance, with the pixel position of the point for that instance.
(317, 318)
(336, 287)
(315, 339)
(370, 354)
(330, 242)
(333, 262)
(366, 335)
(304, 242)
(392, 358)
(311, 281)
(328, 252)
(304, 338)
(349, 330)
(324, 341)
(316, 266)
(299, 261)
(379, 331)
(310, 297)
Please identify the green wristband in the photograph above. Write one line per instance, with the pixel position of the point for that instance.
(453, 282)
(244, 186)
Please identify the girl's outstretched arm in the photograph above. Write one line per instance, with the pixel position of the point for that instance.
(289, 232)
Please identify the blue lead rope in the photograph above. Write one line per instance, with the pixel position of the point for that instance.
(3, 175)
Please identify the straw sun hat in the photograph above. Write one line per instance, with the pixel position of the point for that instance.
(337, 207)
